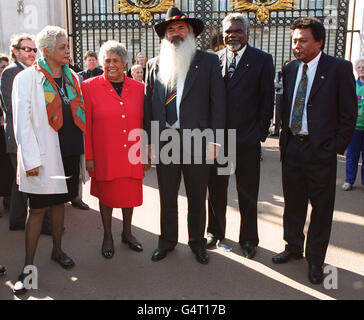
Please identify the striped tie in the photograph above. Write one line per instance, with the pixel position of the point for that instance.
(232, 66)
(299, 103)
(171, 106)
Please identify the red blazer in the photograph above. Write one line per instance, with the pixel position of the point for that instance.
(109, 120)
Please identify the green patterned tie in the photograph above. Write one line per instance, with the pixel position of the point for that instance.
(299, 103)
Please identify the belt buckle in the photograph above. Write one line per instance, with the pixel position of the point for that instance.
(301, 137)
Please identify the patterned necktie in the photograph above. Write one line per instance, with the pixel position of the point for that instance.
(232, 66)
(171, 108)
(299, 103)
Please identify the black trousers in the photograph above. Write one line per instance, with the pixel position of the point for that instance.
(195, 178)
(18, 202)
(307, 178)
(247, 175)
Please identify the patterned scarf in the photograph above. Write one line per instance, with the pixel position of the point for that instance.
(53, 99)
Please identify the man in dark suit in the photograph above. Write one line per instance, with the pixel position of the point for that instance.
(184, 90)
(318, 119)
(23, 54)
(249, 81)
(91, 63)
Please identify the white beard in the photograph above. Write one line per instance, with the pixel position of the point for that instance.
(175, 61)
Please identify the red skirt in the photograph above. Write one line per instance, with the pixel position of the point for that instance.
(118, 193)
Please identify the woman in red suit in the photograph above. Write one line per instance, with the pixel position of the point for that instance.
(114, 107)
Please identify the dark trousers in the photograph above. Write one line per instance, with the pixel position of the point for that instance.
(18, 203)
(195, 179)
(355, 148)
(277, 113)
(306, 178)
(247, 175)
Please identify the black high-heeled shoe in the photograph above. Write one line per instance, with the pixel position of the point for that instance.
(133, 246)
(107, 253)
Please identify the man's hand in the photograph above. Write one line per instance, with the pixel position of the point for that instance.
(90, 166)
(32, 172)
(212, 151)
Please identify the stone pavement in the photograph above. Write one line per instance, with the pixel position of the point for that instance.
(132, 275)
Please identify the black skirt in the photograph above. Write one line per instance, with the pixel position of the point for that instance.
(71, 166)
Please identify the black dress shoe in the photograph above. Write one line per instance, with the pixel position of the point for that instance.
(160, 254)
(80, 205)
(315, 273)
(2, 270)
(201, 256)
(286, 255)
(249, 249)
(133, 246)
(63, 260)
(211, 241)
(107, 253)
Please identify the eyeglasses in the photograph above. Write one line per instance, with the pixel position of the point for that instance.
(28, 49)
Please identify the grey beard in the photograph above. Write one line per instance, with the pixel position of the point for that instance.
(175, 60)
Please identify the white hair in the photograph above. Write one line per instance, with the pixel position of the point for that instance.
(236, 16)
(356, 63)
(135, 67)
(115, 47)
(175, 61)
(47, 38)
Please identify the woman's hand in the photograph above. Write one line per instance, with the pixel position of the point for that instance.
(90, 166)
(147, 166)
(32, 172)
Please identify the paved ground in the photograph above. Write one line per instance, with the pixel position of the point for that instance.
(132, 275)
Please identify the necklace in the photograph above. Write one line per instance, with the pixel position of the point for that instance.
(62, 93)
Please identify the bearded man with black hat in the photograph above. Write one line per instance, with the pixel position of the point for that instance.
(184, 90)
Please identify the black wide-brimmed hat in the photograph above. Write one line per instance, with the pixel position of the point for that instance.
(173, 15)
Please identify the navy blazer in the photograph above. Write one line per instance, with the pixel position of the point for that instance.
(250, 96)
(6, 86)
(203, 99)
(331, 107)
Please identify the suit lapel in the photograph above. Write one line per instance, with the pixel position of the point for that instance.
(19, 65)
(191, 74)
(320, 76)
(242, 67)
(223, 61)
(291, 81)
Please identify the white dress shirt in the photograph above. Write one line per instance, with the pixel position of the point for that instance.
(239, 54)
(311, 72)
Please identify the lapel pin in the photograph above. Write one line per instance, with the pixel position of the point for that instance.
(322, 77)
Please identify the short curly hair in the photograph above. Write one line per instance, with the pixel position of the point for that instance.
(47, 38)
(115, 47)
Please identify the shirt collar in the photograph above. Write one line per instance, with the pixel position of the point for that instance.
(313, 63)
(359, 82)
(239, 53)
(22, 64)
